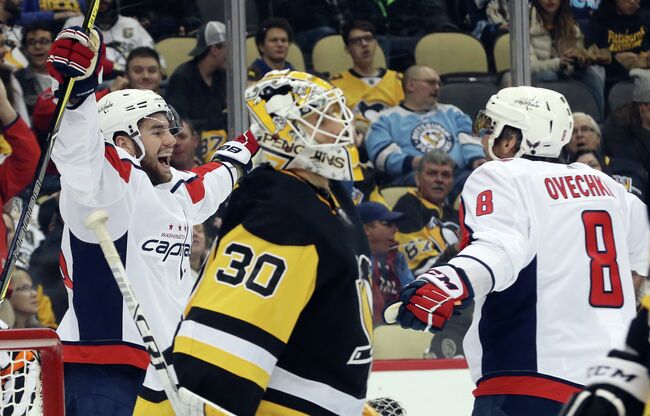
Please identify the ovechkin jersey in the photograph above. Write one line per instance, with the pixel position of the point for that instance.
(280, 321)
(367, 101)
(550, 254)
(151, 227)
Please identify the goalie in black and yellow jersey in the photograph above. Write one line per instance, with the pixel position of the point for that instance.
(280, 321)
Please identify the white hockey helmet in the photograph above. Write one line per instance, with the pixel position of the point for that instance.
(279, 105)
(120, 111)
(542, 115)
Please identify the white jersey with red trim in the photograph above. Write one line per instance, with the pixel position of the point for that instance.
(549, 258)
(152, 230)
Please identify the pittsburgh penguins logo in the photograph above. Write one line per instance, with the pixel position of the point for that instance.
(370, 111)
(431, 136)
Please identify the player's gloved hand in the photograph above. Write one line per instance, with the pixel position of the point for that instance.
(239, 151)
(619, 384)
(428, 302)
(77, 55)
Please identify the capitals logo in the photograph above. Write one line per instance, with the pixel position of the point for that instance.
(431, 136)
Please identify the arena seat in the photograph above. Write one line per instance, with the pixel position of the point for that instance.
(470, 97)
(294, 56)
(329, 56)
(501, 53)
(174, 50)
(577, 95)
(451, 52)
(620, 95)
(393, 193)
(392, 342)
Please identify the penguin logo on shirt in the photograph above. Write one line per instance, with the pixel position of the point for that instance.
(370, 111)
(431, 136)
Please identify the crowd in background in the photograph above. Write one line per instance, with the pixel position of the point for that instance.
(405, 136)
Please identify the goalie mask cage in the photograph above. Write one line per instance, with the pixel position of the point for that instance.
(31, 376)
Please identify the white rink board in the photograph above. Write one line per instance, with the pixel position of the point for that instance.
(426, 392)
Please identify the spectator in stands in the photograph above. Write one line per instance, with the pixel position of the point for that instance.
(586, 135)
(143, 71)
(24, 300)
(18, 156)
(9, 15)
(626, 135)
(44, 261)
(582, 11)
(428, 232)
(389, 269)
(12, 85)
(590, 158)
(403, 134)
(368, 89)
(197, 89)
(272, 40)
(621, 27)
(51, 13)
(556, 43)
(34, 79)
(626, 132)
(164, 18)
(498, 13)
(121, 34)
(187, 141)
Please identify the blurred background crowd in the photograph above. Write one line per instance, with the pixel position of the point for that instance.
(415, 73)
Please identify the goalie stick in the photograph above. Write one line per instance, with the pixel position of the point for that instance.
(96, 221)
(35, 187)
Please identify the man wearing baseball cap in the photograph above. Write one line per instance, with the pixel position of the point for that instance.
(197, 89)
(389, 269)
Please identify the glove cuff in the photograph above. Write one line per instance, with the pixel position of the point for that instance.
(450, 280)
(627, 375)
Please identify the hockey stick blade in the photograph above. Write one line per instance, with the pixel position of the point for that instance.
(35, 187)
(390, 313)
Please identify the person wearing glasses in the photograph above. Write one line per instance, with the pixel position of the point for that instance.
(401, 135)
(585, 135)
(34, 78)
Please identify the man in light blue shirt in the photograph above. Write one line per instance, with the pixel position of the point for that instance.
(402, 134)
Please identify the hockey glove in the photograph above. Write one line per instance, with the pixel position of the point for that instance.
(429, 301)
(619, 384)
(76, 55)
(239, 151)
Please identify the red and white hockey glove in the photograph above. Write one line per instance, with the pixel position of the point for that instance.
(427, 303)
(76, 55)
(239, 151)
(619, 384)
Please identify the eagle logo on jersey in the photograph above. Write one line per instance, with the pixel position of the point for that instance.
(431, 136)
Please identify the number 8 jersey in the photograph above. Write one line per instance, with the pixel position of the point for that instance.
(280, 322)
(549, 251)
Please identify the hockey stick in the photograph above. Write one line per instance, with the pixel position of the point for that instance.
(96, 221)
(35, 187)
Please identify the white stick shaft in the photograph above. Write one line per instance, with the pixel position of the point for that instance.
(96, 221)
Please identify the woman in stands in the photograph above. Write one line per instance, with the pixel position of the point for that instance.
(557, 48)
(24, 300)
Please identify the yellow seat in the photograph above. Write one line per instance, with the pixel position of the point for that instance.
(449, 53)
(391, 342)
(329, 56)
(502, 53)
(392, 194)
(174, 50)
(294, 56)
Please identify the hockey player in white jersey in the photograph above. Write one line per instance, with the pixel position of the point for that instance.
(124, 169)
(548, 254)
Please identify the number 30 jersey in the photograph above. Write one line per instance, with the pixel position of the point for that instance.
(549, 254)
(280, 321)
